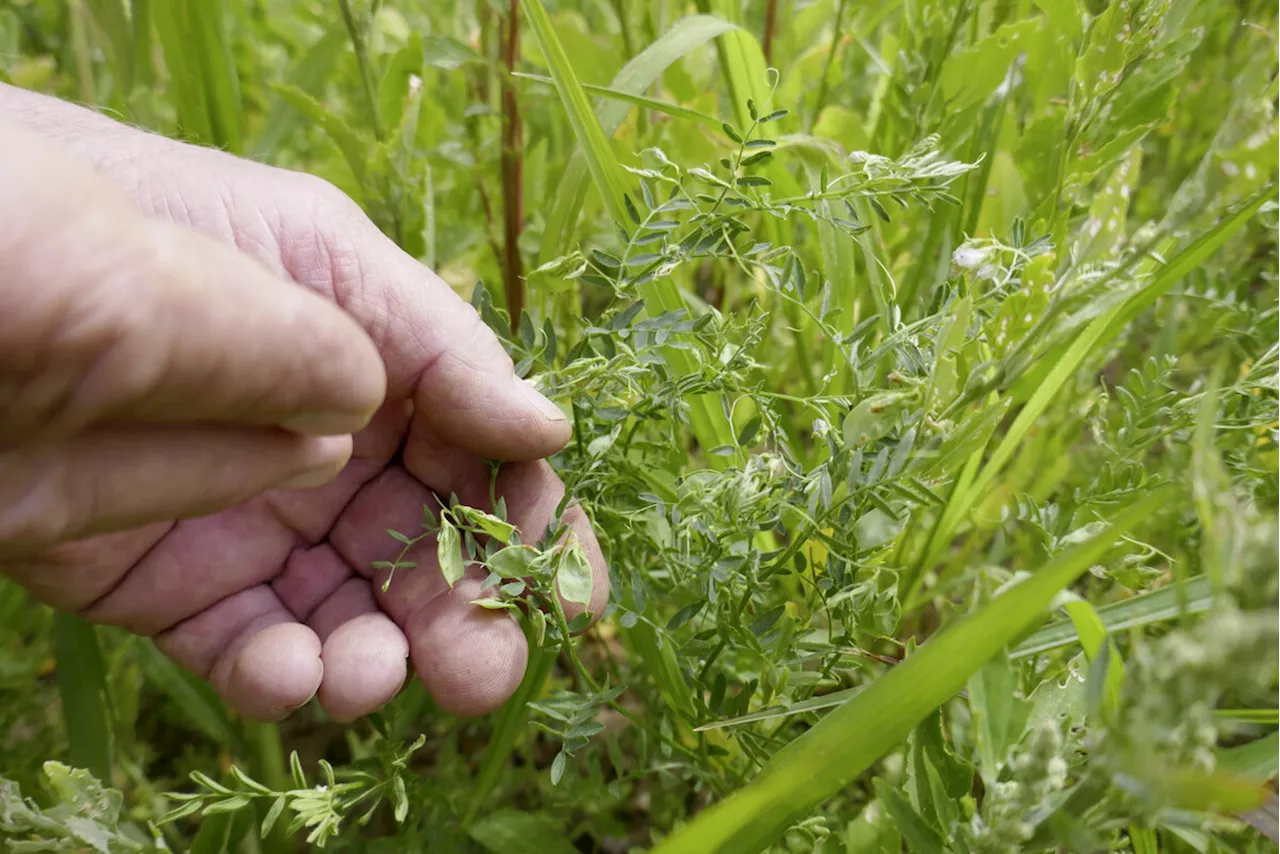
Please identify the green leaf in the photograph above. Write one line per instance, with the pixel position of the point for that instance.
(514, 561)
(82, 687)
(813, 704)
(502, 531)
(711, 428)
(449, 553)
(936, 778)
(574, 575)
(846, 742)
(1093, 638)
(308, 77)
(969, 76)
(355, 147)
(490, 604)
(999, 714)
(273, 815)
(515, 832)
(916, 832)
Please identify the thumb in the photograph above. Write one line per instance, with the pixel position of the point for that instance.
(435, 346)
(108, 316)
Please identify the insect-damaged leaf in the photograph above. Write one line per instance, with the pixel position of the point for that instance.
(573, 576)
(449, 552)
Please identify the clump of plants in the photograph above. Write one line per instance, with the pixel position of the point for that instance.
(922, 362)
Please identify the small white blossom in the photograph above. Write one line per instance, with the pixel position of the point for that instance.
(968, 257)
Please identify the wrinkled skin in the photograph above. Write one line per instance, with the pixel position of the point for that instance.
(220, 385)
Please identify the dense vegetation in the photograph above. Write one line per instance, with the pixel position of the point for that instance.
(923, 363)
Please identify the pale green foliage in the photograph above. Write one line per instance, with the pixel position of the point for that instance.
(85, 816)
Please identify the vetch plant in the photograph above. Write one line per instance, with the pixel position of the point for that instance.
(923, 389)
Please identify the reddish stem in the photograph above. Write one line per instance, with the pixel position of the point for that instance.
(512, 173)
(770, 24)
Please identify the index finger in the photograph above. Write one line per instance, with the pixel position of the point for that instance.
(109, 316)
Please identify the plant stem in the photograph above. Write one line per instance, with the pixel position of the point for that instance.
(269, 767)
(512, 173)
(826, 66)
(80, 46)
(620, 9)
(362, 60)
(770, 25)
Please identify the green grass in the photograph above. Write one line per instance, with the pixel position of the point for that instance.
(924, 383)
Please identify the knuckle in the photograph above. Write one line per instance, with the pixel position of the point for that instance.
(326, 195)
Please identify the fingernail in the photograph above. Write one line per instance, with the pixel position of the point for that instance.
(535, 398)
(327, 456)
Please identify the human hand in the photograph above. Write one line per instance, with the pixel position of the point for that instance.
(220, 385)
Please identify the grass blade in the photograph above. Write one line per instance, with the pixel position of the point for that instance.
(1185, 262)
(813, 704)
(742, 59)
(510, 724)
(634, 78)
(665, 107)
(192, 696)
(82, 687)
(1251, 716)
(847, 741)
(1257, 759)
(203, 84)
(110, 16)
(1152, 607)
(666, 670)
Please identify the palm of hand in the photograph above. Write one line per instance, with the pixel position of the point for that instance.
(274, 600)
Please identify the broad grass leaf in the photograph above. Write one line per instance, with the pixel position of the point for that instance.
(1258, 759)
(82, 687)
(970, 76)
(1168, 603)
